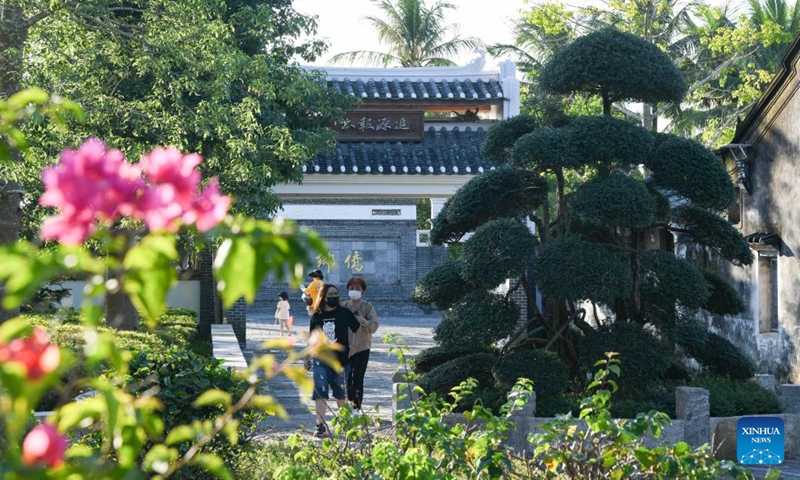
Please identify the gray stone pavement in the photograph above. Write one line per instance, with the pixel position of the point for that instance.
(416, 334)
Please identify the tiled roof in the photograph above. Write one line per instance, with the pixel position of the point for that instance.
(396, 89)
(442, 152)
(763, 238)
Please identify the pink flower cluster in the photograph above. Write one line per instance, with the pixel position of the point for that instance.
(96, 184)
(35, 353)
(44, 446)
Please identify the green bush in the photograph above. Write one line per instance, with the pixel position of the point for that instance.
(667, 280)
(722, 357)
(443, 378)
(500, 136)
(715, 353)
(730, 398)
(430, 358)
(180, 378)
(557, 405)
(477, 320)
(613, 201)
(495, 194)
(545, 369)
(491, 398)
(572, 268)
(643, 357)
(440, 287)
(499, 250)
(723, 300)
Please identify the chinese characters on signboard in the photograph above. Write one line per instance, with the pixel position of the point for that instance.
(381, 125)
(375, 261)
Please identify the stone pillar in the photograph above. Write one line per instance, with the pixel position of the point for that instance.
(523, 422)
(789, 396)
(767, 381)
(691, 405)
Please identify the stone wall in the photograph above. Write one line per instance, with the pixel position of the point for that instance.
(770, 205)
(389, 259)
(693, 425)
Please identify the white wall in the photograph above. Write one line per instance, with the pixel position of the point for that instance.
(184, 294)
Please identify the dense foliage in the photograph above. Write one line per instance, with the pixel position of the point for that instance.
(601, 238)
(731, 398)
(493, 195)
(440, 286)
(498, 250)
(547, 372)
(644, 359)
(478, 319)
(602, 62)
(430, 441)
(443, 378)
(430, 358)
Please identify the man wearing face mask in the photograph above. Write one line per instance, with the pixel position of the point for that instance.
(360, 342)
(336, 323)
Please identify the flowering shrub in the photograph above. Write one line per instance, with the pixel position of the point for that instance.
(133, 211)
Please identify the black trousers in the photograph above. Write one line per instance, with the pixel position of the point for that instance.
(355, 378)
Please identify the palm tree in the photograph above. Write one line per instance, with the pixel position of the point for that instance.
(780, 14)
(415, 35)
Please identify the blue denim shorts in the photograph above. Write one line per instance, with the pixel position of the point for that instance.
(325, 377)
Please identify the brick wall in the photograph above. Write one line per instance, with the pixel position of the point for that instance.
(389, 283)
(206, 313)
(236, 315)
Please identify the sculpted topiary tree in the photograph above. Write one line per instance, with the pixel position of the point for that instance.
(596, 188)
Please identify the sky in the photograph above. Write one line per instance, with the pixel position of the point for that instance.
(341, 22)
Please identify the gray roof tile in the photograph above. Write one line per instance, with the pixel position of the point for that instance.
(397, 89)
(441, 152)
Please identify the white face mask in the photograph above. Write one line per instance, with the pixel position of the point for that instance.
(354, 294)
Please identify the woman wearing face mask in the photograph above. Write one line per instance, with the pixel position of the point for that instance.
(336, 324)
(361, 343)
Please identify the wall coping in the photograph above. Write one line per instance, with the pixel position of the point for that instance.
(226, 346)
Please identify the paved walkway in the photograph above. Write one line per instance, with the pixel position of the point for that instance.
(416, 333)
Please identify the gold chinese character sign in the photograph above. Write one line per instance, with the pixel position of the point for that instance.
(380, 124)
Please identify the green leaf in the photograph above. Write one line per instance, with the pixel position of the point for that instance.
(149, 274)
(159, 458)
(233, 269)
(35, 96)
(213, 464)
(179, 434)
(268, 404)
(213, 397)
(15, 328)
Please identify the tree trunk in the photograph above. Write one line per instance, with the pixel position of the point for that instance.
(648, 117)
(120, 312)
(13, 33)
(10, 224)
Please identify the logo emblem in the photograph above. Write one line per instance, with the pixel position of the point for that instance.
(760, 440)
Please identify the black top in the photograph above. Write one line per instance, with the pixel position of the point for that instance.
(334, 325)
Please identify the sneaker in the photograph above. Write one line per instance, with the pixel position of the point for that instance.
(321, 431)
(357, 412)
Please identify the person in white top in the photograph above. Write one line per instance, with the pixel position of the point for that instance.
(282, 313)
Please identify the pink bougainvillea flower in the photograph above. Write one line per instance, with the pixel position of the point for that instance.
(170, 166)
(208, 208)
(173, 195)
(161, 207)
(44, 446)
(35, 353)
(90, 184)
(96, 184)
